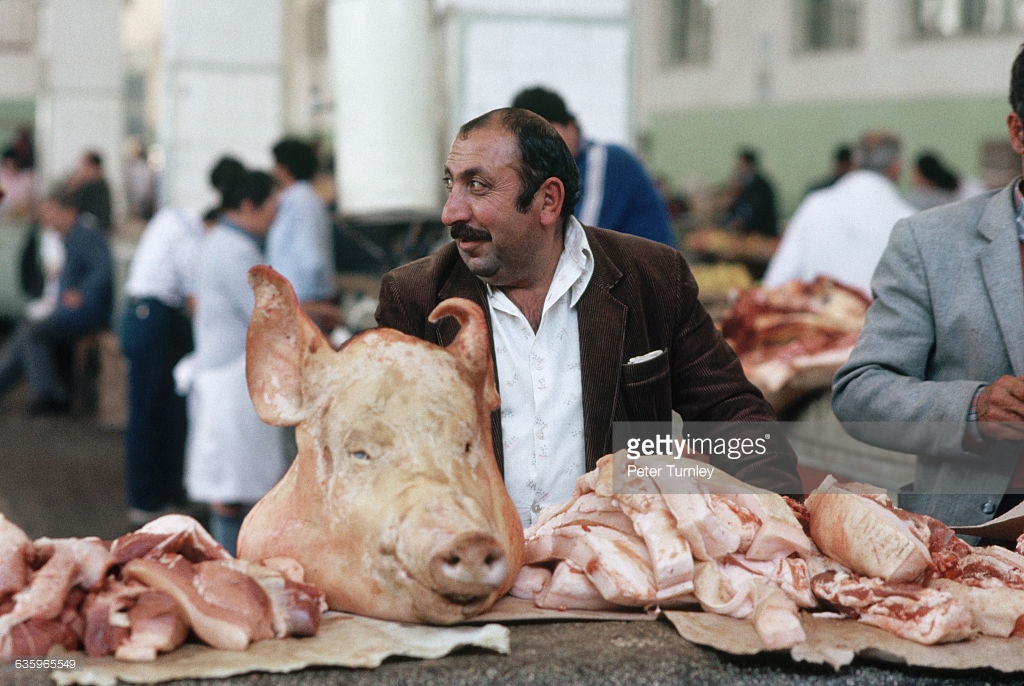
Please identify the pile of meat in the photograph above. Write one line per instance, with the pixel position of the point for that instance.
(144, 593)
(796, 329)
(735, 550)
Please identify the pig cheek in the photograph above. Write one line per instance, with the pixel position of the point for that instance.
(361, 500)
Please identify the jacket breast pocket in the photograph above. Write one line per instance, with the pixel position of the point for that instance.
(646, 390)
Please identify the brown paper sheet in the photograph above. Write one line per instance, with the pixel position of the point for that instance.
(1007, 526)
(509, 609)
(343, 641)
(836, 642)
(359, 642)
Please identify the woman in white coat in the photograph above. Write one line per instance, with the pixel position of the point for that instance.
(232, 458)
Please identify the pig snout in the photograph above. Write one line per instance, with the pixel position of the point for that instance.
(469, 567)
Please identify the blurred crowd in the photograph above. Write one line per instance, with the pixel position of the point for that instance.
(188, 302)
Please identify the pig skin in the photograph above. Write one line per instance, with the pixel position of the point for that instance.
(394, 504)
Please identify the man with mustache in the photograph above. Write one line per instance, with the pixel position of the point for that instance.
(589, 326)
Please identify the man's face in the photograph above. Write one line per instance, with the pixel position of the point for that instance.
(495, 240)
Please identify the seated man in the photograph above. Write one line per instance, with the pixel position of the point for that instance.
(36, 349)
(589, 326)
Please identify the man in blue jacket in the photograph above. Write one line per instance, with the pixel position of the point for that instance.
(36, 348)
(616, 191)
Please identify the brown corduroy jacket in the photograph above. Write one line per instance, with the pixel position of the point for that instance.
(641, 298)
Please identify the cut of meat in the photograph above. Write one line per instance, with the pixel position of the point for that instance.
(132, 622)
(864, 532)
(69, 562)
(172, 533)
(924, 615)
(142, 595)
(570, 587)
(670, 554)
(616, 563)
(225, 608)
(36, 636)
(531, 580)
(799, 330)
(296, 606)
(15, 556)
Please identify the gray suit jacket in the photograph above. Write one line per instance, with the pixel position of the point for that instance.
(947, 318)
(641, 297)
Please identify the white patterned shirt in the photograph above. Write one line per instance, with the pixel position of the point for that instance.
(540, 385)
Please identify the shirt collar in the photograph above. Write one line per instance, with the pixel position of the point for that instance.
(574, 269)
(578, 253)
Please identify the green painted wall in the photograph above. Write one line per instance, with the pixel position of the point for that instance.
(796, 142)
(13, 115)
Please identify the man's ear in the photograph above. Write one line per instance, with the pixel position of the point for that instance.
(1015, 127)
(552, 195)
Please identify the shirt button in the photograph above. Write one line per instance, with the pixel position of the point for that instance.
(988, 507)
(535, 508)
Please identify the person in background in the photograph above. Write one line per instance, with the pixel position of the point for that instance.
(300, 243)
(92, 192)
(616, 191)
(842, 162)
(18, 203)
(588, 326)
(940, 358)
(139, 182)
(933, 183)
(840, 231)
(38, 349)
(752, 209)
(156, 333)
(232, 458)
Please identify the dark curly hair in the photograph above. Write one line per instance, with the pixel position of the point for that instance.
(542, 154)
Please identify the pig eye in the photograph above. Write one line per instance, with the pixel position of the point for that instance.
(361, 455)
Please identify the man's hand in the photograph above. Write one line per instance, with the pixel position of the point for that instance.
(1001, 409)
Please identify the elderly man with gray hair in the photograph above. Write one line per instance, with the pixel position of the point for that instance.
(841, 231)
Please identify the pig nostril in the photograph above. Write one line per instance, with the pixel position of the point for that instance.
(469, 569)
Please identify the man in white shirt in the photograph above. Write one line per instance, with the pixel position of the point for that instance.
(589, 326)
(840, 231)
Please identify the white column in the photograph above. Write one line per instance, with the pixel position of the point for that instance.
(79, 102)
(385, 95)
(220, 91)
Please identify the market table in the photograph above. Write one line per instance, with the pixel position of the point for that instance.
(594, 652)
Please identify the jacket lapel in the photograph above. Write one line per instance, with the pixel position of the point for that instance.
(1001, 269)
(602, 326)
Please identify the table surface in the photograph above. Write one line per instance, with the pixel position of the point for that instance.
(594, 652)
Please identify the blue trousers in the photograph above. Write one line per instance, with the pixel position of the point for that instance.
(154, 337)
(38, 352)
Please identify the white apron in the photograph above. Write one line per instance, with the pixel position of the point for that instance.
(231, 455)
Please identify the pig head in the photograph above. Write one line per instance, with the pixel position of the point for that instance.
(394, 504)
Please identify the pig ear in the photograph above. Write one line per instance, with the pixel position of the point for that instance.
(279, 343)
(472, 346)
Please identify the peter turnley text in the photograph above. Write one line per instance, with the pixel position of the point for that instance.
(670, 470)
(664, 444)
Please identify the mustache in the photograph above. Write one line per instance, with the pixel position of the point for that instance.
(466, 232)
